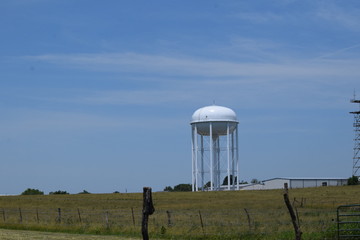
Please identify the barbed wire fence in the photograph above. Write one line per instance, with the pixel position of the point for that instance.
(167, 221)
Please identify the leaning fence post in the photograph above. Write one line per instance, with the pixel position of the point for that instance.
(248, 218)
(201, 222)
(292, 213)
(78, 210)
(148, 209)
(37, 216)
(133, 216)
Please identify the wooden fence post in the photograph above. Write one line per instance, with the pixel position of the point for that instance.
(78, 210)
(107, 219)
(201, 222)
(248, 218)
(303, 202)
(4, 216)
(148, 209)
(169, 218)
(59, 215)
(133, 216)
(294, 220)
(20, 216)
(37, 216)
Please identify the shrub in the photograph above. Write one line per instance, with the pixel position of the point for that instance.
(31, 191)
(183, 188)
(58, 192)
(354, 180)
(168, 189)
(233, 179)
(254, 180)
(84, 192)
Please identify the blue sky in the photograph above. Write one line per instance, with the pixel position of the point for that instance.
(98, 95)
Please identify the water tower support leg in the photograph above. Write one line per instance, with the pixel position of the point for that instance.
(237, 159)
(196, 161)
(233, 161)
(211, 159)
(202, 163)
(193, 140)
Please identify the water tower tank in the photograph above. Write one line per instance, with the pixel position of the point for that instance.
(214, 149)
(219, 117)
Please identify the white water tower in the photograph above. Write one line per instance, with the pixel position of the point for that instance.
(215, 164)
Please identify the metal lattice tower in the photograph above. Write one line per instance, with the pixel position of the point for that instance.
(356, 158)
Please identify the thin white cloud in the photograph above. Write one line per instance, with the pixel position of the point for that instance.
(339, 52)
(22, 122)
(348, 18)
(253, 50)
(187, 80)
(133, 97)
(257, 17)
(244, 93)
(188, 66)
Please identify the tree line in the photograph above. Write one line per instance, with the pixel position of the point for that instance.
(182, 187)
(33, 191)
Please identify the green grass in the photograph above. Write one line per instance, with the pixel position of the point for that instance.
(6, 234)
(222, 213)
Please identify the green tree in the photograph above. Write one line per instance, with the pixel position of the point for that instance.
(254, 180)
(168, 189)
(354, 180)
(58, 192)
(207, 185)
(183, 188)
(31, 191)
(84, 192)
(233, 179)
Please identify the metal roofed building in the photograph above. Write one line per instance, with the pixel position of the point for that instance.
(278, 183)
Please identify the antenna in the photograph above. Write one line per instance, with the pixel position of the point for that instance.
(356, 125)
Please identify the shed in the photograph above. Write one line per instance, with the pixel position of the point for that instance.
(278, 183)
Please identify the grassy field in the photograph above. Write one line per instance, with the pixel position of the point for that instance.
(199, 215)
(35, 235)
